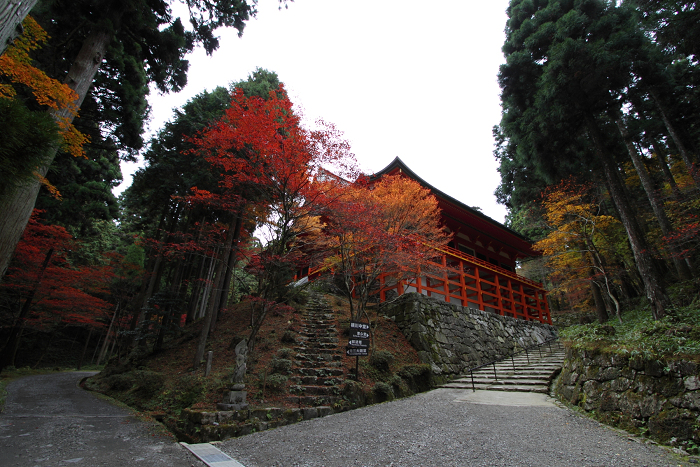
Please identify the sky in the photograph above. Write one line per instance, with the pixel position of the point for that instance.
(417, 80)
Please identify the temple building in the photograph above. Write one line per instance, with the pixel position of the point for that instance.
(480, 262)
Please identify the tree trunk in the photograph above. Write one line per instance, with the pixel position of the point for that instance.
(7, 356)
(17, 206)
(661, 157)
(229, 261)
(600, 309)
(653, 287)
(656, 205)
(692, 170)
(12, 13)
(105, 344)
(82, 355)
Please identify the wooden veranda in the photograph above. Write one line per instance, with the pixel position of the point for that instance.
(469, 281)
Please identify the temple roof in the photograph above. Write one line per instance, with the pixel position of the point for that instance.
(467, 214)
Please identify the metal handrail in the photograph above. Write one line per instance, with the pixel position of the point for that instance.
(547, 342)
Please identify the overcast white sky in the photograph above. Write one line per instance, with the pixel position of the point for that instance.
(407, 78)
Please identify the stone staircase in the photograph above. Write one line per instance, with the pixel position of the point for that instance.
(518, 374)
(318, 371)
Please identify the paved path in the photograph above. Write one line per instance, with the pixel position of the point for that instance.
(448, 427)
(49, 421)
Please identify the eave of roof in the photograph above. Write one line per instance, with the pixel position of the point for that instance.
(398, 163)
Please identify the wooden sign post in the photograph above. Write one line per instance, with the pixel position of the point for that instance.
(358, 344)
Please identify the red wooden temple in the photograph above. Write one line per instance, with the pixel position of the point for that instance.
(479, 262)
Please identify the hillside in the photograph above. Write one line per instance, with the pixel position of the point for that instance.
(163, 385)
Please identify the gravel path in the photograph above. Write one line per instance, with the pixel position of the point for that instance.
(49, 421)
(446, 427)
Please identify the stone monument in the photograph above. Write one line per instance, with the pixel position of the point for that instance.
(234, 399)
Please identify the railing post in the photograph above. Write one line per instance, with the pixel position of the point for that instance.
(495, 376)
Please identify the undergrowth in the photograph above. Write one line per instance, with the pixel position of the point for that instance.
(675, 335)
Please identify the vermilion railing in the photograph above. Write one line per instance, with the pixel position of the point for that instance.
(470, 281)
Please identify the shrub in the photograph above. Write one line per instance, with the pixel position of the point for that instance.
(288, 337)
(281, 365)
(149, 383)
(419, 378)
(284, 352)
(276, 382)
(383, 392)
(381, 360)
(189, 389)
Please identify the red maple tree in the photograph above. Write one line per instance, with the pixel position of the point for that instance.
(43, 291)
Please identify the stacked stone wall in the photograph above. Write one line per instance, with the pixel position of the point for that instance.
(658, 397)
(452, 339)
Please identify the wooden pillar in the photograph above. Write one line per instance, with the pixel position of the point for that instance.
(499, 299)
(382, 293)
(419, 282)
(479, 293)
(446, 285)
(523, 302)
(462, 284)
(512, 298)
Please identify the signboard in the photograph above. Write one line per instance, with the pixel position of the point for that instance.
(355, 334)
(359, 326)
(357, 351)
(359, 343)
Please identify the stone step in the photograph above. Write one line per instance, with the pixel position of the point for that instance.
(323, 371)
(309, 364)
(520, 373)
(308, 390)
(316, 380)
(496, 387)
(517, 376)
(329, 339)
(312, 401)
(316, 351)
(315, 344)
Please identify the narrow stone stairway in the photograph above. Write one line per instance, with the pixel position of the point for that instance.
(524, 373)
(317, 371)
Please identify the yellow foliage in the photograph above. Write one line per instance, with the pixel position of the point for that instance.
(583, 244)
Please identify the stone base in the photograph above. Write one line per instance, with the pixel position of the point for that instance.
(233, 400)
(229, 407)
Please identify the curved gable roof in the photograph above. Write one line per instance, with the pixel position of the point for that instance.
(490, 226)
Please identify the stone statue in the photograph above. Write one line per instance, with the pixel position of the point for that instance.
(235, 399)
(241, 357)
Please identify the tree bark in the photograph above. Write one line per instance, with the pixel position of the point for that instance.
(656, 205)
(7, 356)
(661, 157)
(17, 206)
(653, 287)
(692, 170)
(82, 355)
(600, 310)
(12, 13)
(228, 261)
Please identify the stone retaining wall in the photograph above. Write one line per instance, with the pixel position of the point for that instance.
(211, 426)
(452, 339)
(658, 397)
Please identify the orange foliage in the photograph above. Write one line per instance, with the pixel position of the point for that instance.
(387, 227)
(16, 66)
